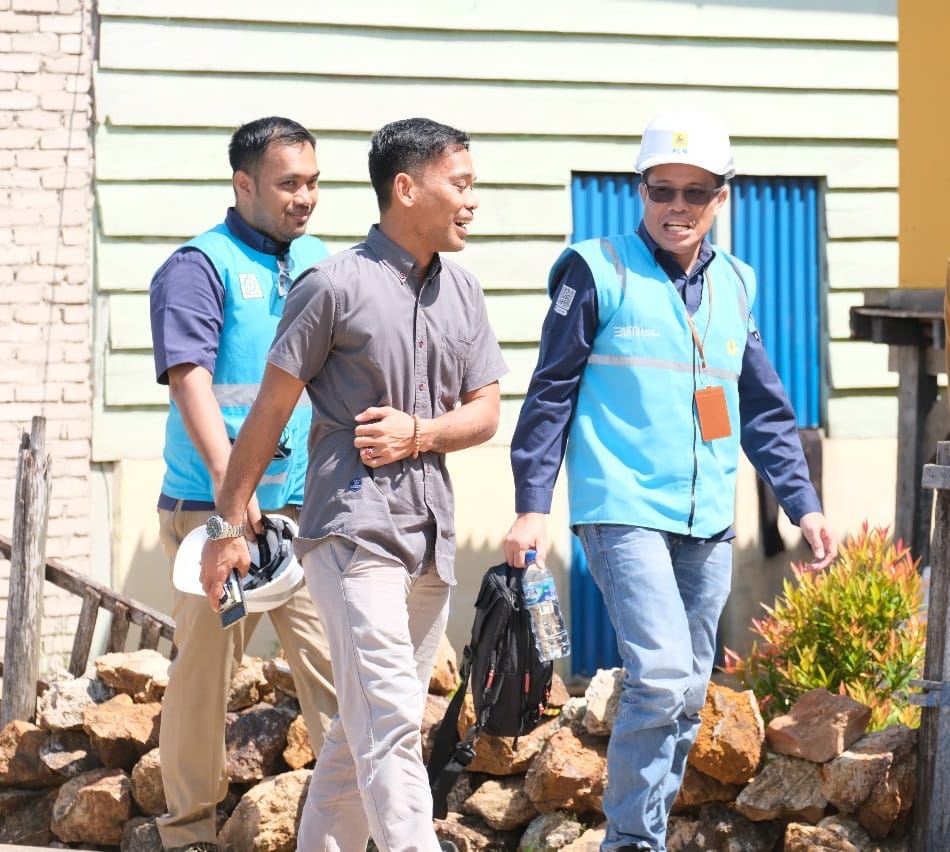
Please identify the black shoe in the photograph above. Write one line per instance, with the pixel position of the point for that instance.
(194, 847)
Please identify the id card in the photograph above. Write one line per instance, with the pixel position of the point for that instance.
(713, 413)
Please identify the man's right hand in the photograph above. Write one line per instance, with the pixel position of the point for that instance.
(218, 559)
(528, 532)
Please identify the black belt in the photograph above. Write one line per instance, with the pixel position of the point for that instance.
(172, 503)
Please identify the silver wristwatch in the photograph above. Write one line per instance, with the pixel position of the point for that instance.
(217, 528)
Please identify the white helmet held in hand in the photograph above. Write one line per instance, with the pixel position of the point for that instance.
(275, 572)
(686, 135)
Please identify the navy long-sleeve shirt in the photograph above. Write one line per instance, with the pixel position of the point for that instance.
(769, 434)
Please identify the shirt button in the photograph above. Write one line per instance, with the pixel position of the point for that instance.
(422, 386)
(421, 344)
(402, 276)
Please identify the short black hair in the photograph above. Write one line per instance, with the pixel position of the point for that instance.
(250, 141)
(408, 145)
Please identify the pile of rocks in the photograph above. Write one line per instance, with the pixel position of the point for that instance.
(87, 775)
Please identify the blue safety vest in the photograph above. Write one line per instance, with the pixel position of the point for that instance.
(252, 309)
(635, 454)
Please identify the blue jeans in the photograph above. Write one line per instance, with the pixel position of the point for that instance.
(664, 595)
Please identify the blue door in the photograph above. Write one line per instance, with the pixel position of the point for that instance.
(775, 228)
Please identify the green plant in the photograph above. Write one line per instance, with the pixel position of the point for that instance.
(854, 628)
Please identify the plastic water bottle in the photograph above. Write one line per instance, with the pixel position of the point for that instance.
(547, 622)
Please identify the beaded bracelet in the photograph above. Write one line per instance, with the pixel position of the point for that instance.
(415, 436)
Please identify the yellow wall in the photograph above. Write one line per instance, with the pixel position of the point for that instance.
(923, 141)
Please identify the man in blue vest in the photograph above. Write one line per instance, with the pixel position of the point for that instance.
(650, 377)
(215, 305)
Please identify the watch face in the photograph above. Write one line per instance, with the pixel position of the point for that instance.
(217, 527)
(214, 527)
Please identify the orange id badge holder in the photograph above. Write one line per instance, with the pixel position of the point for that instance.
(713, 413)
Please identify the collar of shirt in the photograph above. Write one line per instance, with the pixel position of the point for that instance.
(671, 266)
(251, 236)
(398, 259)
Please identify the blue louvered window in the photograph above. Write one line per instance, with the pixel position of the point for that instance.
(775, 229)
(604, 204)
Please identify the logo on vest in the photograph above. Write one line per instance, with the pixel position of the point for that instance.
(565, 298)
(629, 331)
(732, 347)
(250, 286)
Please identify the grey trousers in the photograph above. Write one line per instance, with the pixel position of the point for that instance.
(384, 629)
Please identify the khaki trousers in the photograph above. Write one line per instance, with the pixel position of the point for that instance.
(191, 740)
(384, 628)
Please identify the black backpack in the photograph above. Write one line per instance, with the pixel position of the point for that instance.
(510, 685)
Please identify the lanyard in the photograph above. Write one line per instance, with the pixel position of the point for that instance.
(696, 339)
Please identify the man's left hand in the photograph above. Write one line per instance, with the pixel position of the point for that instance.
(385, 435)
(820, 538)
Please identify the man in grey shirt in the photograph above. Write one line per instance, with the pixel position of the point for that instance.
(392, 344)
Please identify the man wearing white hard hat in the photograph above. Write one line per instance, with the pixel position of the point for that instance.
(651, 375)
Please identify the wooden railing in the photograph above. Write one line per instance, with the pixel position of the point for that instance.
(125, 611)
(29, 567)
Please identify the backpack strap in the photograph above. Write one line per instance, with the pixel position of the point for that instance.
(450, 755)
(443, 783)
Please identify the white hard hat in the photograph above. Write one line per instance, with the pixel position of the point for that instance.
(275, 573)
(686, 135)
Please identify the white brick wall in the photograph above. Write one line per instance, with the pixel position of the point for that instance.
(46, 172)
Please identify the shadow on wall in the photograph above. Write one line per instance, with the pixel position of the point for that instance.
(483, 515)
(149, 580)
(485, 510)
(139, 568)
(757, 579)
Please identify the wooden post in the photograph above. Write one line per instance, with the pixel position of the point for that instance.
(21, 651)
(917, 388)
(931, 814)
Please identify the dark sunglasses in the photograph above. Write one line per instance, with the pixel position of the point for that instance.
(285, 268)
(693, 195)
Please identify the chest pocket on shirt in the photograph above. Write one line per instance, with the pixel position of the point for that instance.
(453, 361)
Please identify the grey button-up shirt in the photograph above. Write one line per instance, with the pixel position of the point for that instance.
(366, 328)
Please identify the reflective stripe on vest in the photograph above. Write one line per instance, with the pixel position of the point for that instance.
(243, 396)
(660, 364)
